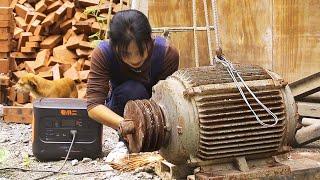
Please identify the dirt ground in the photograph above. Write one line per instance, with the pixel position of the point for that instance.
(15, 141)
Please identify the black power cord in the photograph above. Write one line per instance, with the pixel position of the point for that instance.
(53, 172)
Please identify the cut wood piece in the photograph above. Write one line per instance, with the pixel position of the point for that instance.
(21, 23)
(86, 3)
(28, 49)
(86, 65)
(29, 6)
(19, 55)
(85, 45)
(83, 27)
(51, 61)
(21, 66)
(21, 10)
(32, 97)
(7, 23)
(41, 6)
(43, 69)
(55, 72)
(4, 55)
(67, 35)
(50, 42)
(5, 3)
(46, 74)
(70, 9)
(64, 67)
(4, 80)
(119, 7)
(49, 20)
(60, 12)
(32, 44)
(54, 6)
(49, 2)
(43, 58)
(5, 34)
(62, 55)
(83, 53)
(83, 75)
(66, 25)
(33, 25)
(38, 16)
(78, 65)
(12, 64)
(13, 3)
(74, 41)
(24, 36)
(14, 114)
(307, 109)
(305, 86)
(103, 8)
(38, 31)
(36, 38)
(79, 16)
(30, 66)
(71, 73)
(22, 1)
(23, 97)
(96, 27)
(29, 16)
(4, 65)
(5, 46)
(19, 74)
(17, 32)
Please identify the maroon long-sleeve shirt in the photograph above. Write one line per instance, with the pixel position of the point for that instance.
(99, 75)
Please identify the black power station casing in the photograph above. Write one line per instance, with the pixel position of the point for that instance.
(53, 120)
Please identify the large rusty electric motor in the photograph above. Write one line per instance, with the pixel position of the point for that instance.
(197, 115)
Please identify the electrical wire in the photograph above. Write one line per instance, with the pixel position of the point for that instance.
(73, 132)
(233, 73)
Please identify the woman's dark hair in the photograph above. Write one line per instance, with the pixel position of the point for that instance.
(126, 26)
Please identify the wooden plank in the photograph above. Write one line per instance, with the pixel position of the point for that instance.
(21, 10)
(62, 55)
(32, 44)
(43, 57)
(74, 41)
(305, 86)
(5, 46)
(86, 3)
(41, 6)
(50, 42)
(4, 65)
(13, 114)
(24, 36)
(296, 38)
(85, 45)
(33, 25)
(49, 20)
(19, 55)
(60, 12)
(4, 80)
(21, 23)
(28, 49)
(308, 109)
(36, 38)
(5, 3)
(54, 6)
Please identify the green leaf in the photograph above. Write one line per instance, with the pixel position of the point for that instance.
(95, 43)
(26, 160)
(4, 154)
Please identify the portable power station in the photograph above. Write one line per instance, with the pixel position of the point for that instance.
(54, 118)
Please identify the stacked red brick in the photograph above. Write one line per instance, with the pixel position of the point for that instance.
(6, 33)
(51, 39)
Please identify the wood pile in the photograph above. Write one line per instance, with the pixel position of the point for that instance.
(51, 38)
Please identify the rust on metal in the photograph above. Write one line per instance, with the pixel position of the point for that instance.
(148, 122)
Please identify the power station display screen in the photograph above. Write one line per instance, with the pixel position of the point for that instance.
(68, 123)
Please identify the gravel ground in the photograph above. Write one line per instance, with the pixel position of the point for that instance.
(15, 139)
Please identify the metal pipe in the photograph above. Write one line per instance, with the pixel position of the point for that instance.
(309, 121)
(307, 134)
(180, 29)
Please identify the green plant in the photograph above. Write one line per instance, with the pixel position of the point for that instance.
(101, 34)
(4, 154)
